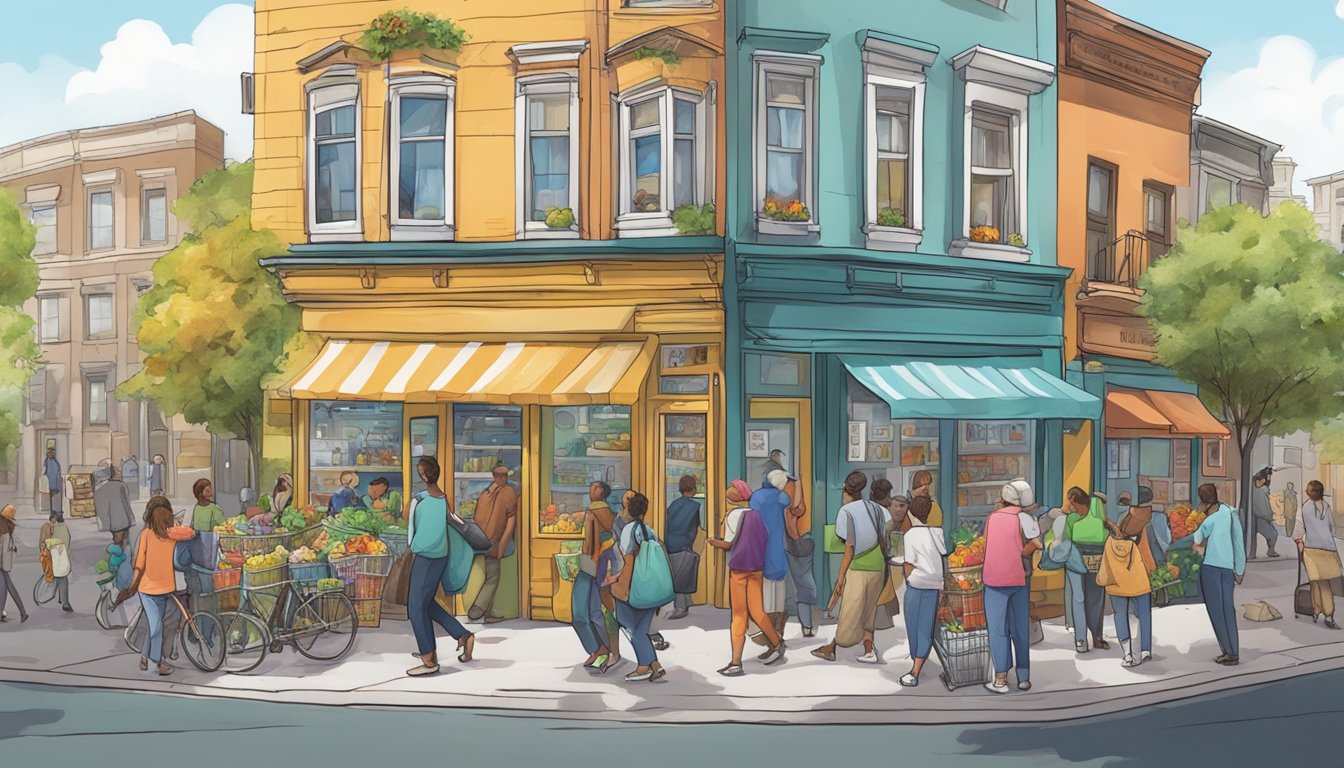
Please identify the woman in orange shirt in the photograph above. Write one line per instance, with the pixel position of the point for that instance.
(154, 577)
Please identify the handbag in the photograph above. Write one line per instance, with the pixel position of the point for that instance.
(398, 588)
(685, 571)
(471, 533)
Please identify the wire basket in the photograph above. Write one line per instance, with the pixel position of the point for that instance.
(965, 581)
(368, 611)
(306, 575)
(348, 567)
(252, 544)
(964, 656)
(304, 537)
(366, 586)
(396, 543)
(263, 587)
(966, 609)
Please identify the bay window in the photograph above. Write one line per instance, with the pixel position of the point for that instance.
(662, 158)
(422, 158)
(547, 115)
(785, 142)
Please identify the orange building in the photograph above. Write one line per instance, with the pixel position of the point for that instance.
(1127, 95)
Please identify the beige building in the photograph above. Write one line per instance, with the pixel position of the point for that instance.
(1327, 195)
(101, 199)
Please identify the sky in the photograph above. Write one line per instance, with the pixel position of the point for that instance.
(1277, 68)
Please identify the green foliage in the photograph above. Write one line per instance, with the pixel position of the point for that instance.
(407, 30)
(1329, 439)
(20, 356)
(559, 218)
(1251, 309)
(17, 240)
(694, 220)
(11, 405)
(669, 58)
(1016, 240)
(215, 324)
(891, 217)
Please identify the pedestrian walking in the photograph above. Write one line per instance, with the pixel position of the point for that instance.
(1085, 527)
(9, 547)
(427, 534)
(1060, 554)
(112, 504)
(921, 561)
(889, 602)
(637, 620)
(155, 476)
(1290, 508)
(207, 513)
(130, 474)
(771, 502)
(745, 540)
(800, 591)
(1128, 565)
(51, 480)
(1262, 513)
(1320, 554)
(683, 524)
(1011, 537)
(54, 539)
(497, 515)
(586, 600)
(1222, 542)
(154, 578)
(863, 526)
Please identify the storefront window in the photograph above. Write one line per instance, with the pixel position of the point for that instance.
(581, 445)
(352, 437)
(484, 436)
(684, 453)
(989, 454)
(883, 447)
(424, 442)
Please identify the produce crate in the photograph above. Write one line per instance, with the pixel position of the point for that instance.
(348, 567)
(304, 537)
(227, 589)
(396, 543)
(253, 543)
(966, 609)
(306, 575)
(369, 611)
(965, 581)
(964, 656)
(366, 586)
(263, 587)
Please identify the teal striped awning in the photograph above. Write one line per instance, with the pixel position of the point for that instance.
(963, 390)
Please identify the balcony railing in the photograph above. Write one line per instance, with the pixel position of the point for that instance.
(1123, 260)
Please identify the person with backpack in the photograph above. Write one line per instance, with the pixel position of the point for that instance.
(1012, 535)
(642, 585)
(587, 600)
(744, 540)
(1222, 542)
(1129, 555)
(1085, 527)
(863, 526)
(56, 531)
(922, 563)
(427, 532)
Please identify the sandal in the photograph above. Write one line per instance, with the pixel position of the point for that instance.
(732, 670)
(658, 674)
(467, 644)
(608, 664)
(165, 670)
(596, 661)
(823, 655)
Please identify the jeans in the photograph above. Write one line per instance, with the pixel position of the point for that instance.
(1217, 584)
(1008, 613)
(801, 590)
(155, 607)
(1144, 606)
(7, 588)
(1265, 528)
(921, 606)
(1094, 604)
(586, 607)
(421, 607)
(637, 622)
(1076, 604)
(485, 599)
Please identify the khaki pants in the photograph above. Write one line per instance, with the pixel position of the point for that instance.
(485, 599)
(858, 607)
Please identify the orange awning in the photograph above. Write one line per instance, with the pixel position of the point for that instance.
(1134, 413)
(478, 372)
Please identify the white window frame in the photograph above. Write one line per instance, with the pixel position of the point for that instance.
(53, 302)
(422, 229)
(111, 332)
(32, 219)
(564, 82)
(658, 223)
(333, 91)
(145, 192)
(105, 380)
(639, 5)
(910, 235)
(1204, 176)
(808, 67)
(112, 204)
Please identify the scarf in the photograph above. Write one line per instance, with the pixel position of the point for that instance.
(600, 521)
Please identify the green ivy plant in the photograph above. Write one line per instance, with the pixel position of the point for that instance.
(407, 30)
(694, 219)
(559, 218)
(668, 57)
(891, 217)
(1016, 240)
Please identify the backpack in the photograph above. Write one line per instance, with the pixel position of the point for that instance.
(460, 554)
(651, 581)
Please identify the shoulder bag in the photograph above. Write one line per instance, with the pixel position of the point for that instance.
(887, 597)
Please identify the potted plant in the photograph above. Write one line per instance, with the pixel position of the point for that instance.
(407, 30)
(559, 218)
(1016, 240)
(694, 219)
(891, 217)
(984, 234)
(775, 209)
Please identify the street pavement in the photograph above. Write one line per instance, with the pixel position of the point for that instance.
(535, 667)
(40, 725)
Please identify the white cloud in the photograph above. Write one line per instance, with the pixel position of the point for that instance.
(1339, 9)
(141, 74)
(1291, 97)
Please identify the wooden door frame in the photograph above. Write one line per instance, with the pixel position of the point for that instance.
(713, 511)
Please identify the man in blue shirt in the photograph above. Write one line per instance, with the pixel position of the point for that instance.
(1221, 540)
(770, 502)
(51, 472)
(683, 522)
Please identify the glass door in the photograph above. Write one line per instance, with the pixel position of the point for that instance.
(484, 436)
(685, 454)
(424, 437)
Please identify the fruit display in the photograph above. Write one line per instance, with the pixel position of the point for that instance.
(269, 560)
(324, 585)
(968, 549)
(231, 525)
(554, 521)
(321, 541)
(359, 545)
(303, 555)
(1184, 520)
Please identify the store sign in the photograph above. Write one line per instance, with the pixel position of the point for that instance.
(1123, 336)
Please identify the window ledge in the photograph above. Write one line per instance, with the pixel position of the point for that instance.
(549, 234)
(787, 228)
(404, 233)
(990, 251)
(335, 237)
(882, 238)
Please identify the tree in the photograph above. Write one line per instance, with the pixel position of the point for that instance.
(215, 326)
(20, 356)
(1251, 309)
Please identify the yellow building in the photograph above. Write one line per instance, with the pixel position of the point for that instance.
(485, 241)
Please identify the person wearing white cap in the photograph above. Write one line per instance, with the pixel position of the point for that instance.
(1011, 536)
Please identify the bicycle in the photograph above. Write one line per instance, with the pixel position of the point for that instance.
(200, 636)
(300, 618)
(44, 591)
(106, 612)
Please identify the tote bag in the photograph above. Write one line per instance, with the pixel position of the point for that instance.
(460, 557)
(651, 580)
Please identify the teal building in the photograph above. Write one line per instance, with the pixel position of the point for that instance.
(893, 299)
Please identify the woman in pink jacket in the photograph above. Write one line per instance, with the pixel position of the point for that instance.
(1011, 536)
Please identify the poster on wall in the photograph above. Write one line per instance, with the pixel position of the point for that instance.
(1161, 491)
(1215, 460)
(1180, 492)
(883, 434)
(858, 441)
(758, 443)
(1180, 457)
(881, 453)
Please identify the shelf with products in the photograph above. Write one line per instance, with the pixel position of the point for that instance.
(361, 468)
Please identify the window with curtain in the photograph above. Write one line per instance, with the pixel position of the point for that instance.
(892, 122)
(993, 188)
(49, 328)
(659, 154)
(422, 152)
(43, 217)
(786, 149)
(548, 161)
(98, 313)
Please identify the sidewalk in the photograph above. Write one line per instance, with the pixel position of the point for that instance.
(535, 667)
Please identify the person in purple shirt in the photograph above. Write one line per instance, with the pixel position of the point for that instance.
(746, 547)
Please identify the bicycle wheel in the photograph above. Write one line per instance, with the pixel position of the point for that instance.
(203, 641)
(245, 641)
(324, 626)
(102, 610)
(136, 634)
(44, 591)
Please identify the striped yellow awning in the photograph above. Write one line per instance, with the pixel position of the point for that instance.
(478, 372)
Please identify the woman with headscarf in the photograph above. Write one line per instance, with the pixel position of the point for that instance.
(1011, 537)
(282, 495)
(1315, 535)
(8, 548)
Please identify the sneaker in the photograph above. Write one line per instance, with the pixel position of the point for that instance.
(1272, 553)
(1130, 661)
(732, 670)
(870, 657)
(1145, 656)
(67, 609)
(994, 687)
(1024, 685)
(774, 655)
(1100, 644)
(639, 677)
(1230, 661)
(909, 681)
(423, 671)
(165, 670)
(475, 614)
(1081, 646)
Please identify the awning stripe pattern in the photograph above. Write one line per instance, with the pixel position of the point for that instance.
(520, 372)
(944, 390)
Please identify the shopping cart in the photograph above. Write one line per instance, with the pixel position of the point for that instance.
(964, 656)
